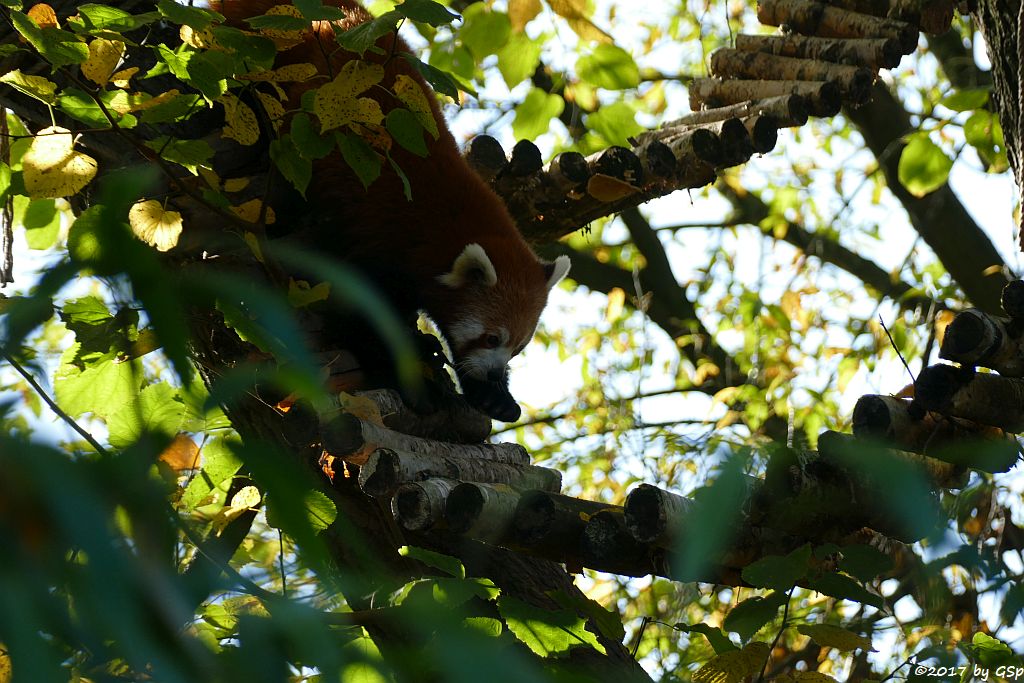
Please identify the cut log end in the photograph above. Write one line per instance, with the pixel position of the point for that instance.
(526, 160)
(1013, 299)
(486, 156)
(342, 435)
(968, 338)
(463, 508)
(871, 417)
(645, 516)
(573, 166)
(379, 476)
(937, 384)
(764, 133)
(621, 163)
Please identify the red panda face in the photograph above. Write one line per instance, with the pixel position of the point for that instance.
(495, 316)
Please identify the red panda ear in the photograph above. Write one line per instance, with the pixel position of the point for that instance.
(472, 266)
(556, 270)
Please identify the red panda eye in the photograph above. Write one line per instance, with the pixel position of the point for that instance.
(492, 341)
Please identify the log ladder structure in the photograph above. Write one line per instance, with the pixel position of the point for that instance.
(440, 480)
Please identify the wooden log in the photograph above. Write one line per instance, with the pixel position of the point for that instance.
(617, 162)
(787, 110)
(980, 397)
(950, 439)
(455, 421)
(419, 506)
(568, 170)
(300, 425)
(552, 524)
(941, 474)
(764, 132)
(872, 53)
(526, 160)
(854, 82)
(657, 158)
(655, 516)
(609, 547)
(736, 144)
(481, 511)
(977, 338)
(486, 156)
(694, 144)
(348, 437)
(815, 19)
(823, 97)
(1013, 299)
(386, 469)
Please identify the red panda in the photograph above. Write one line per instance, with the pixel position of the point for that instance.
(453, 251)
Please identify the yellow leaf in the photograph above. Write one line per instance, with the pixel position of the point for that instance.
(240, 123)
(248, 498)
(841, 639)
(35, 86)
(53, 168)
(412, 96)
(250, 211)
(201, 40)
(288, 73)
(301, 294)
(43, 15)
(378, 136)
(616, 300)
(5, 666)
(182, 454)
(121, 78)
(361, 407)
(337, 104)
(283, 39)
(153, 101)
(236, 184)
(254, 245)
(274, 109)
(520, 12)
(155, 226)
(575, 14)
(733, 667)
(104, 56)
(811, 677)
(606, 188)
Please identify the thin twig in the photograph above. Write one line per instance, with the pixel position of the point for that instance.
(53, 405)
(897, 350)
(775, 641)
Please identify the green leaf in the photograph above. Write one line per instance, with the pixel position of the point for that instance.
(990, 652)
(174, 109)
(194, 17)
(439, 80)
(188, 153)
(79, 105)
(923, 166)
(451, 566)
(615, 122)
(841, 639)
(845, 588)
(40, 219)
(749, 616)
(1013, 604)
(249, 51)
(157, 411)
(93, 17)
(533, 116)
(518, 59)
(360, 157)
(101, 389)
(547, 633)
(38, 87)
(198, 69)
(427, 12)
(966, 100)
(445, 592)
(484, 31)
(485, 626)
(608, 621)
(864, 562)
(609, 67)
(279, 22)
(362, 37)
(720, 642)
(297, 169)
(320, 511)
(314, 10)
(776, 571)
(58, 47)
(405, 128)
(406, 185)
(220, 463)
(309, 143)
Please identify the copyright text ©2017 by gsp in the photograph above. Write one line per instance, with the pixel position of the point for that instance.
(1012, 673)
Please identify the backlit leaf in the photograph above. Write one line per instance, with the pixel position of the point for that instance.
(38, 87)
(337, 103)
(240, 122)
(104, 56)
(547, 633)
(52, 167)
(923, 166)
(609, 66)
(733, 667)
(411, 94)
(154, 225)
(533, 116)
(841, 639)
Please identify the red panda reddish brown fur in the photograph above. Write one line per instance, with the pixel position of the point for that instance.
(485, 299)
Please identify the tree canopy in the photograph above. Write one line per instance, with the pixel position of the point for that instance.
(180, 500)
